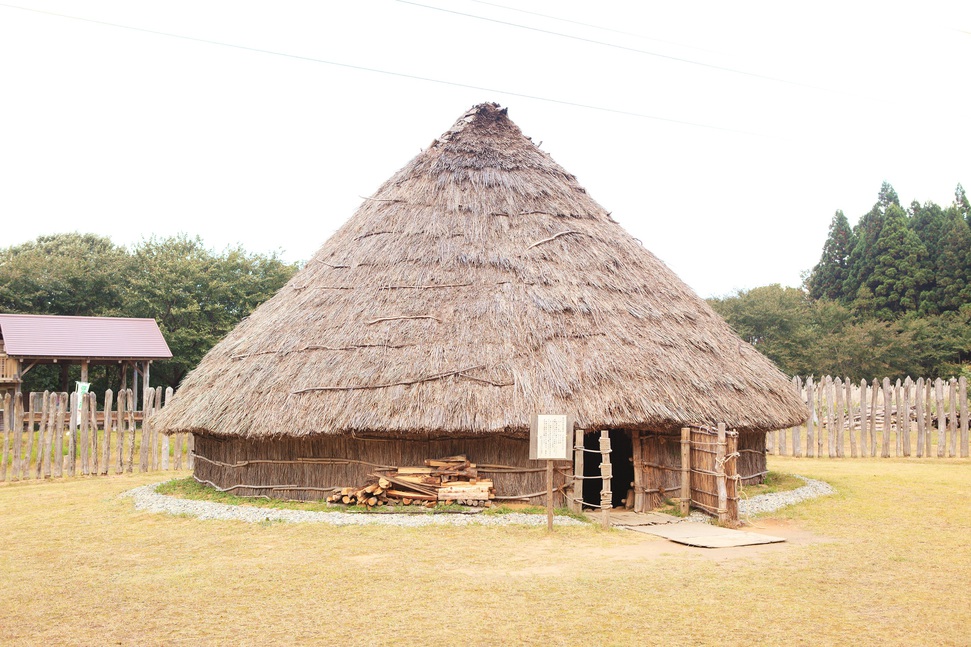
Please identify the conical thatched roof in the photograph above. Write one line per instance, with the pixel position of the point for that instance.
(478, 285)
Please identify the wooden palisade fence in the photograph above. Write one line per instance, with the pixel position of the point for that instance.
(922, 418)
(55, 436)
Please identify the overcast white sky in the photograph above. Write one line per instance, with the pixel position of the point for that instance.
(264, 123)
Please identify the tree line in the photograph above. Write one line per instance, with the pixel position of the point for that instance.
(890, 296)
(196, 295)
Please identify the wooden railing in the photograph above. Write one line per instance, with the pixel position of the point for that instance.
(54, 435)
(921, 418)
(8, 369)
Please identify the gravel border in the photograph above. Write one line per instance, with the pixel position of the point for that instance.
(146, 498)
(779, 500)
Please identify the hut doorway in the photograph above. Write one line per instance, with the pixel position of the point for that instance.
(621, 460)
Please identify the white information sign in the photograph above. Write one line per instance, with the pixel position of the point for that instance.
(550, 437)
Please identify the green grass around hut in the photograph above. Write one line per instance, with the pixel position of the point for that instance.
(80, 566)
(774, 482)
(189, 488)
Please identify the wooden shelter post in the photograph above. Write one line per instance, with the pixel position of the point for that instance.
(576, 501)
(606, 473)
(720, 468)
(685, 470)
(638, 472)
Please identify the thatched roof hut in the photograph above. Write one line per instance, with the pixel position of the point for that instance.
(478, 285)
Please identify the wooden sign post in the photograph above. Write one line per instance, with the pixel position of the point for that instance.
(549, 440)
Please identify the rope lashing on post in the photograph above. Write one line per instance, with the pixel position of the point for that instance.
(592, 451)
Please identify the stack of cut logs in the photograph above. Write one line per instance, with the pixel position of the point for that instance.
(452, 479)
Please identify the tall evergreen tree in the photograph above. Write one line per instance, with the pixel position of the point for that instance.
(830, 274)
(952, 267)
(962, 203)
(898, 266)
(928, 222)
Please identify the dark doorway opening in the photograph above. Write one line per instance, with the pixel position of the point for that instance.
(621, 460)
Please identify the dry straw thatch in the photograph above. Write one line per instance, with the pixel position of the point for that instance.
(477, 285)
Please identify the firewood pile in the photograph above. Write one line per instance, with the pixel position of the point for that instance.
(452, 479)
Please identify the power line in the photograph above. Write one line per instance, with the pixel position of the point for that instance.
(373, 70)
(591, 26)
(615, 46)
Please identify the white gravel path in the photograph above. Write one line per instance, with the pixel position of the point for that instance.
(146, 498)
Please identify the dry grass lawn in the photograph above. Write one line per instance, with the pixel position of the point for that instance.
(886, 561)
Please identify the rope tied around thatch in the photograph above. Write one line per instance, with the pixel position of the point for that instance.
(319, 347)
(380, 319)
(429, 378)
(555, 236)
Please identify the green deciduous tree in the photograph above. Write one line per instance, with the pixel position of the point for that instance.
(196, 295)
(63, 274)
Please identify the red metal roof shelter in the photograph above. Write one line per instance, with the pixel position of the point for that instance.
(28, 340)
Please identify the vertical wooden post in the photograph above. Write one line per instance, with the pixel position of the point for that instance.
(638, 472)
(720, 475)
(7, 423)
(952, 422)
(887, 415)
(44, 440)
(919, 414)
(130, 396)
(576, 503)
(903, 423)
(874, 401)
(120, 423)
(811, 422)
(820, 396)
(897, 419)
(144, 450)
(83, 437)
(941, 417)
(731, 477)
(29, 444)
(606, 496)
(863, 418)
(549, 496)
(840, 415)
(106, 448)
(20, 470)
(850, 416)
(831, 391)
(963, 393)
(190, 451)
(57, 453)
(72, 433)
(685, 504)
(928, 417)
(797, 430)
(18, 434)
(42, 444)
(93, 424)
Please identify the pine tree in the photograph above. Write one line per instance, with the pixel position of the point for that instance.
(953, 263)
(829, 275)
(898, 266)
(962, 203)
(928, 222)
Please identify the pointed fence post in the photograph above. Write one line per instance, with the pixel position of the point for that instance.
(7, 429)
(952, 423)
(963, 393)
